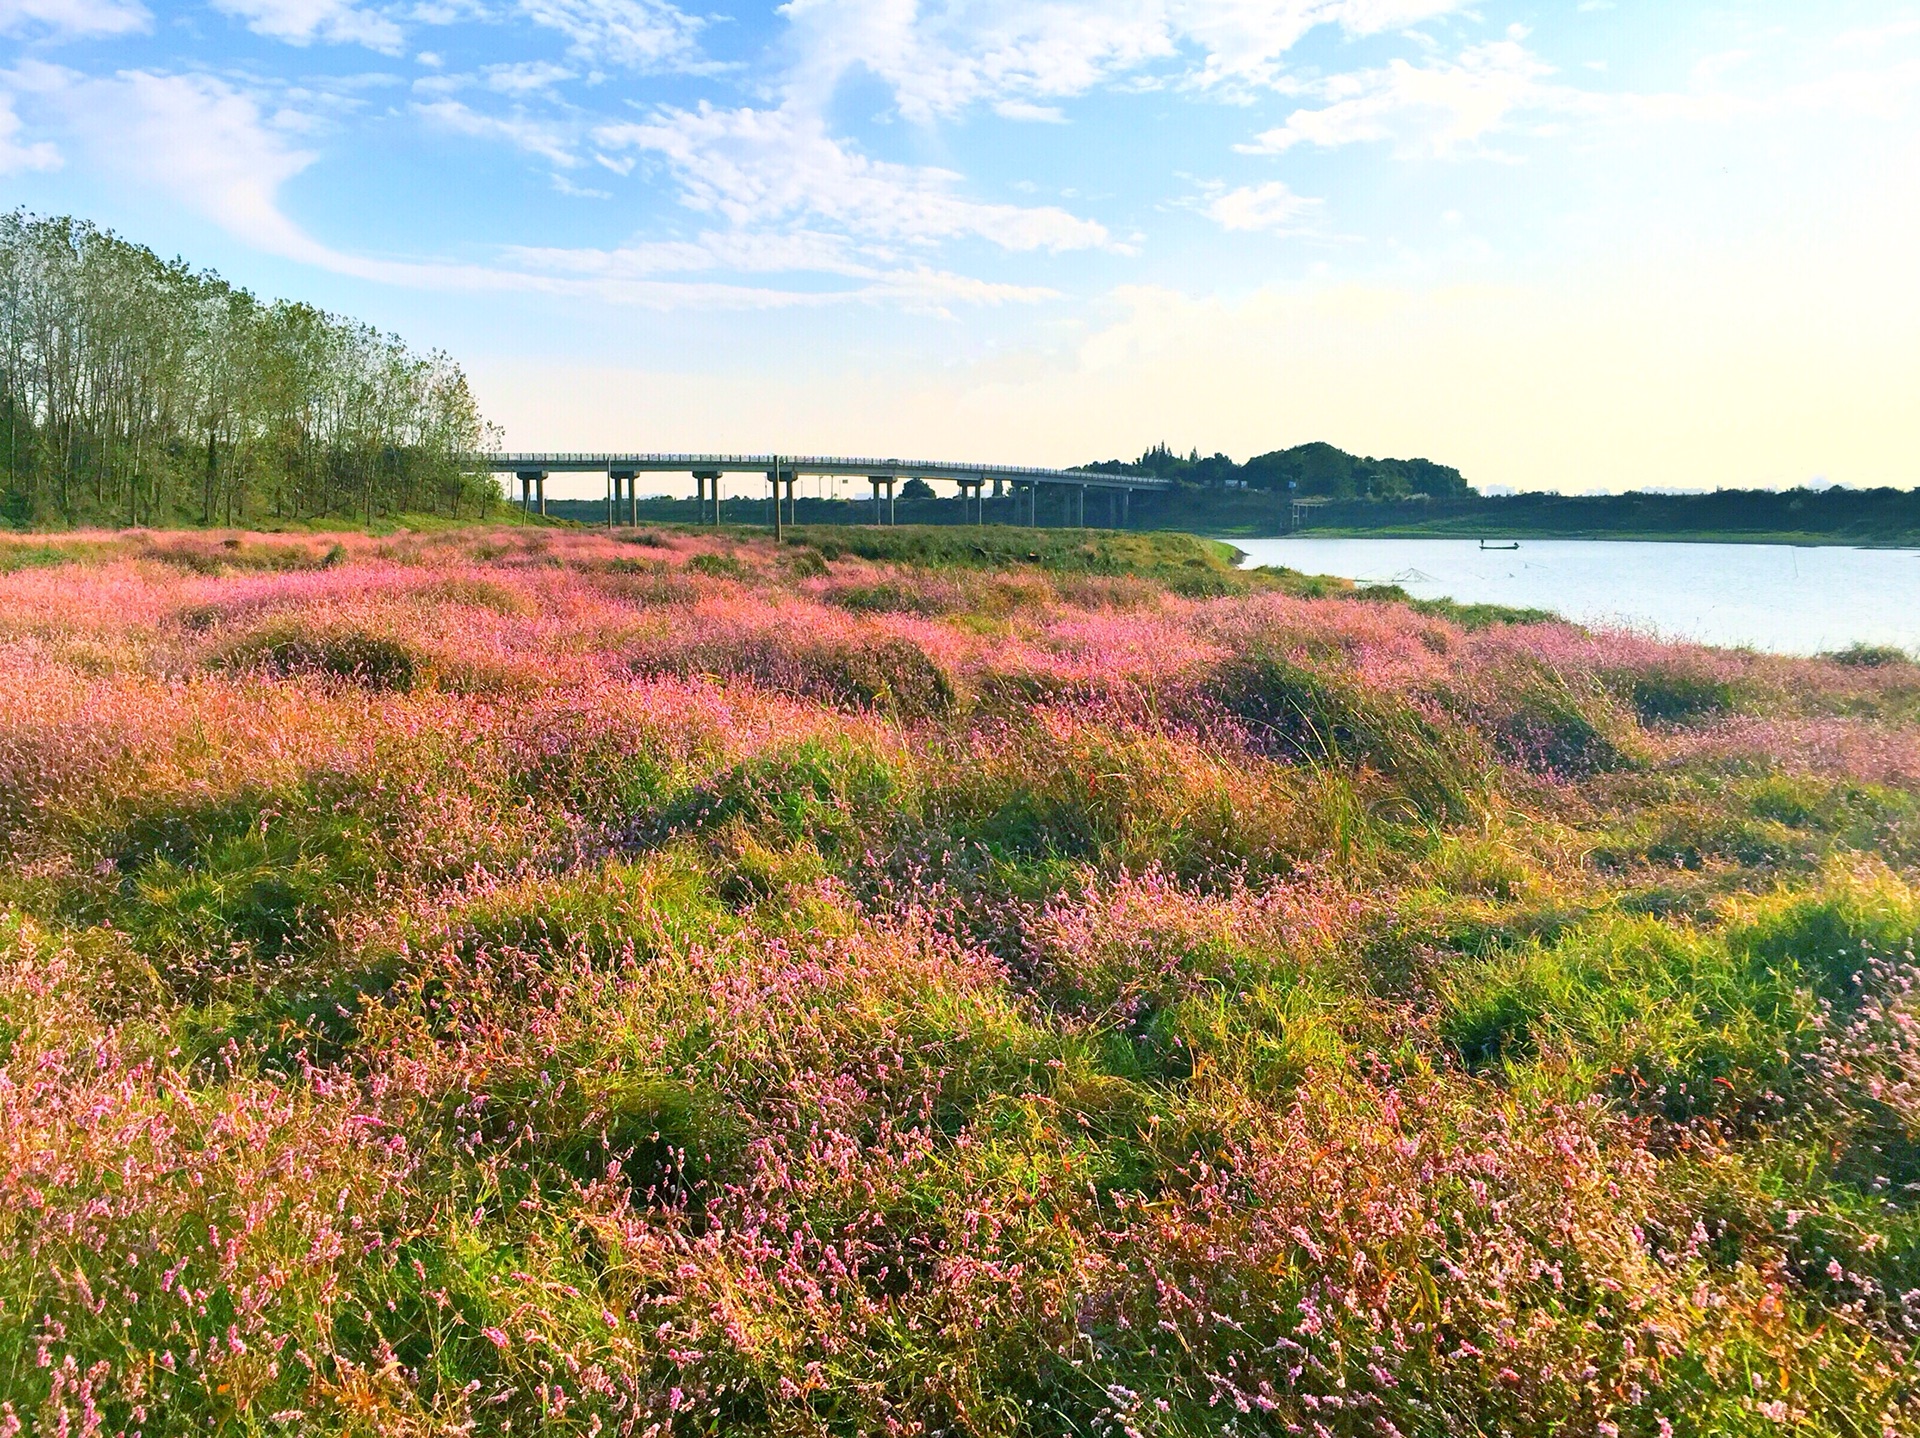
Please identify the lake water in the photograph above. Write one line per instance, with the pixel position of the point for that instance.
(1785, 598)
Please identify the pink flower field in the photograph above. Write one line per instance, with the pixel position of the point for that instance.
(536, 980)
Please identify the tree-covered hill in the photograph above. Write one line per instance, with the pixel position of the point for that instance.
(1307, 470)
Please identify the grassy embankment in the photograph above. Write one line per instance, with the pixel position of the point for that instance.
(525, 979)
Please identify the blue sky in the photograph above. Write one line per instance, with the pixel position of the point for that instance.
(1573, 245)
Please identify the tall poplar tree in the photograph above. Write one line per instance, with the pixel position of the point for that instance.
(139, 391)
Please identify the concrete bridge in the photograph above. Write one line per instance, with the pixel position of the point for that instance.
(708, 471)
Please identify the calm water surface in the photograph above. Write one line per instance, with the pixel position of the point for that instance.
(1768, 596)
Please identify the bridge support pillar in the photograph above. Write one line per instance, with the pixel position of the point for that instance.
(1033, 505)
(793, 505)
(623, 499)
(1126, 504)
(533, 489)
(702, 478)
(1079, 506)
(773, 481)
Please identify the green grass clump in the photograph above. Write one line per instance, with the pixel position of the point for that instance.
(15, 557)
(1546, 721)
(1673, 695)
(895, 676)
(221, 887)
(1320, 717)
(354, 656)
(1869, 656)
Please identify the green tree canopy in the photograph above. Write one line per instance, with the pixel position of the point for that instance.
(1318, 470)
(139, 391)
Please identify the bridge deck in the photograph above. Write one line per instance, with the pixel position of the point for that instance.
(794, 464)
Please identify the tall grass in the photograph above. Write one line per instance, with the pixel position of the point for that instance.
(498, 981)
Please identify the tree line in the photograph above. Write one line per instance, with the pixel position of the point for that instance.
(135, 390)
(1306, 471)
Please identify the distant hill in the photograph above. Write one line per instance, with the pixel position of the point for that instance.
(1308, 471)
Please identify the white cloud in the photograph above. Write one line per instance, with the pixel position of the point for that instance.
(215, 151)
(1440, 108)
(1445, 108)
(1244, 41)
(533, 136)
(1271, 207)
(526, 77)
(943, 56)
(1027, 110)
(301, 22)
(878, 275)
(71, 19)
(15, 156)
(580, 192)
(639, 34)
(204, 143)
(761, 167)
(631, 270)
(739, 251)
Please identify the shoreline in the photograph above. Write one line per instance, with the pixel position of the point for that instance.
(1785, 540)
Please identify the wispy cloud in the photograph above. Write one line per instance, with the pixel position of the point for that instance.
(526, 77)
(535, 137)
(942, 57)
(635, 34)
(1440, 108)
(1446, 108)
(198, 139)
(735, 251)
(876, 274)
(73, 19)
(1271, 208)
(15, 155)
(217, 151)
(302, 22)
(766, 167)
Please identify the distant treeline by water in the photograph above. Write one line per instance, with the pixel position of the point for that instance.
(1348, 493)
(1833, 516)
(135, 390)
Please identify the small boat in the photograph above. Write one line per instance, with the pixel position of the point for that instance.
(1510, 544)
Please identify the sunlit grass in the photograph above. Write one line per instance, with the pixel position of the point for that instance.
(934, 982)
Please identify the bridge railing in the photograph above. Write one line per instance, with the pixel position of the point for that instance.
(849, 464)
